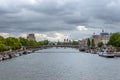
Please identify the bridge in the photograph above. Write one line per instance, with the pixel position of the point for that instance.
(50, 46)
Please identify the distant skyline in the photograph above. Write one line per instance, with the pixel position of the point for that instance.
(58, 19)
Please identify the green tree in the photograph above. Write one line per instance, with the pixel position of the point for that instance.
(93, 43)
(16, 46)
(3, 47)
(114, 40)
(58, 43)
(88, 42)
(40, 43)
(100, 44)
(13, 43)
(2, 40)
(46, 42)
(24, 42)
(117, 44)
(75, 42)
(33, 43)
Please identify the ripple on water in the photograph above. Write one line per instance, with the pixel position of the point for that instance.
(60, 64)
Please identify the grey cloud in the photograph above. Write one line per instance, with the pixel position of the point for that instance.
(57, 15)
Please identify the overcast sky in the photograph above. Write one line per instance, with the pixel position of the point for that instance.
(58, 19)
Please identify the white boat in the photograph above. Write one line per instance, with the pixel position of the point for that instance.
(105, 53)
(17, 54)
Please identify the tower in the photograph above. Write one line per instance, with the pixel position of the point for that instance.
(31, 37)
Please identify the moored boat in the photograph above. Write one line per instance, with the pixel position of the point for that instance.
(106, 54)
(5, 57)
(82, 50)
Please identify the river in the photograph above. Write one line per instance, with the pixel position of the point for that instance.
(60, 64)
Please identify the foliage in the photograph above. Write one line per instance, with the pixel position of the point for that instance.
(3, 47)
(16, 46)
(32, 43)
(2, 40)
(100, 44)
(59, 43)
(46, 42)
(24, 42)
(93, 43)
(88, 42)
(40, 43)
(13, 43)
(114, 40)
(75, 42)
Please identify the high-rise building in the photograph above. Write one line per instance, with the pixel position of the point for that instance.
(31, 37)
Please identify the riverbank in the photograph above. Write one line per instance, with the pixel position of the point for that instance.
(16, 53)
(109, 51)
(12, 54)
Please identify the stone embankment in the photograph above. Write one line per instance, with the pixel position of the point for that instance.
(13, 54)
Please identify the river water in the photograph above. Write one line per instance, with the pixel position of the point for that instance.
(60, 64)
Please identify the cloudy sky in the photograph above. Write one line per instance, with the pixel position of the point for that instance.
(58, 19)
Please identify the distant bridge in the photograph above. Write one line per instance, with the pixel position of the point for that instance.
(50, 46)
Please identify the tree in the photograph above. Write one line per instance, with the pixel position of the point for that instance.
(2, 40)
(46, 42)
(114, 40)
(24, 42)
(33, 43)
(117, 44)
(88, 42)
(40, 43)
(93, 43)
(100, 44)
(58, 43)
(75, 42)
(13, 43)
(3, 47)
(16, 46)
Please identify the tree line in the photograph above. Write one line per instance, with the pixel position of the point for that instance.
(15, 43)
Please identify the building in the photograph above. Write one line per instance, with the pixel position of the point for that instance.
(83, 43)
(102, 37)
(31, 37)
